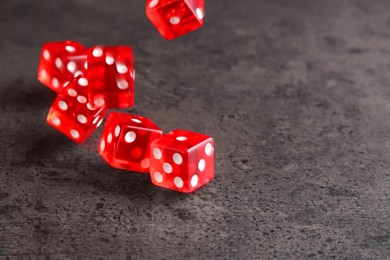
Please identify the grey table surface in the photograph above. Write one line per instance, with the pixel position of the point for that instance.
(295, 93)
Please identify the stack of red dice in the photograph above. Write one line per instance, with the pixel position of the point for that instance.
(91, 81)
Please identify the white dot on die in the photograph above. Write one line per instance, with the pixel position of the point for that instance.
(90, 107)
(177, 158)
(71, 66)
(102, 145)
(145, 163)
(167, 168)
(72, 92)
(174, 20)
(194, 180)
(82, 99)
(62, 105)
(178, 182)
(158, 177)
(99, 102)
(58, 63)
(81, 118)
(56, 120)
(74, 133)
(97, 52)
(130, 137)
(43, 74)
(181, 138)
(199, 13)
(70, 48)
(109, 60)
(100, 122)
(109, 138)
(117, 131)
(46, 54)
(208, 149)
(95, 120)
(136, 120)
(77, 73)
(201, 165)
(55, 82)
(121, 67)
(153, 3)
(122, 84)
(86, 65)
(83, 82)
(157, 153)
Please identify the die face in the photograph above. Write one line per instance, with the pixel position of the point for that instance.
(126, 141)
(72, 114)
(111, 131)
(60, 62)
(175, 18)
(111, 76)
(182, 161)
(201, 164)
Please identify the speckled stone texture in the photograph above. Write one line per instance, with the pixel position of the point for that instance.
(295, 93)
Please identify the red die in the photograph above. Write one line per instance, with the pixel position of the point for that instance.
(111, 76)
(174, 18)
(182, 160)
(71, 113)
(60, 63)
(126, 139)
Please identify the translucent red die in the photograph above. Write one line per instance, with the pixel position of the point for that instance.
(60, 62)
(125, 142)
(111, 76)
(182, 160)
(174, 18)
(71, 113)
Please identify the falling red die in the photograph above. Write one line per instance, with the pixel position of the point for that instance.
(182, 160)
(174, 18)
(126, 140)
(111, 76)
(72, 114)
(60, 62)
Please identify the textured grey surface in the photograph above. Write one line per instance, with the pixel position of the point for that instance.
(295, 93)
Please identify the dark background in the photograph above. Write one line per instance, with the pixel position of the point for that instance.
(295, 93)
